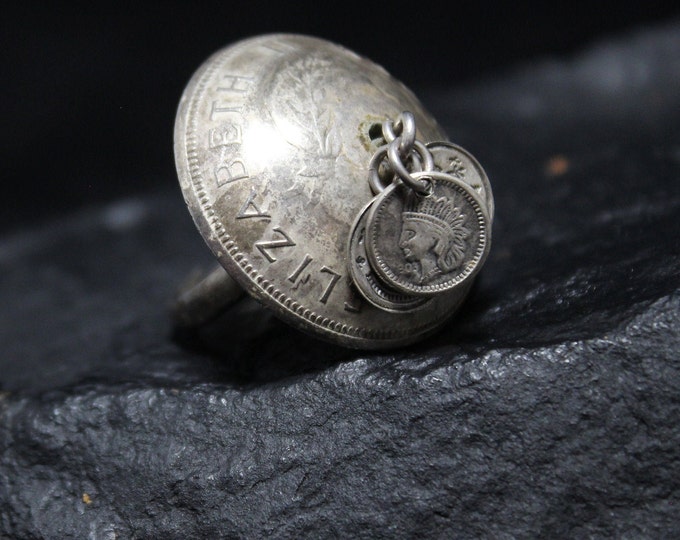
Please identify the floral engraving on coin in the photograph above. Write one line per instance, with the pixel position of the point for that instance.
(300, 101)
(455, 168)
(307, 80)
(460, 164)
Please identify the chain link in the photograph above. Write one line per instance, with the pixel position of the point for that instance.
(404, 127)
(402, 155)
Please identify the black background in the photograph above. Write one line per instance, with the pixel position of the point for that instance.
(89, 92)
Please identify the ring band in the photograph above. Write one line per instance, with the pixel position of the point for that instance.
(203, 301)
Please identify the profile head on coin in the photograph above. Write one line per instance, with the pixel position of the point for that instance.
(433, 236)
(367, 283)
(428, 244)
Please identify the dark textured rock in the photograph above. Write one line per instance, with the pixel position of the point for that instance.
(550, 407)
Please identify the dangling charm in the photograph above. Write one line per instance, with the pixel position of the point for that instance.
(365, 279)
(428, 229)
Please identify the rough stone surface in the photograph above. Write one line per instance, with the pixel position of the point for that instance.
(550, 408)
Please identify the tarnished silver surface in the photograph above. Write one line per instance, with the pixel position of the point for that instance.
(272, 146)
(364, 277)
(428, 244)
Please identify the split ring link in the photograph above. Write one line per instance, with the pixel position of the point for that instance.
(402, 155)
(382, 168)
(404, 127)
(422, 187)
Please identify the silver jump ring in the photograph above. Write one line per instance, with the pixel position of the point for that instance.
(425, 156)
(427, 178)
(419, 164)
(421, 186)
(405, 127)
(374, 179)
(388, 131)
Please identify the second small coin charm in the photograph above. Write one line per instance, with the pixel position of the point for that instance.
(427, 244)
(365, 279)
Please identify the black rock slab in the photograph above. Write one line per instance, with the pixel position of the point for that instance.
(549, 408)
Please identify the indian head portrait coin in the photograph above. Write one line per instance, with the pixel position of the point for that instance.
(272, 143)
(428, 244)
(364, 277)
(457, 162)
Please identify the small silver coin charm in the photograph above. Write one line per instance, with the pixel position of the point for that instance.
(428, 244)
(364, 277)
